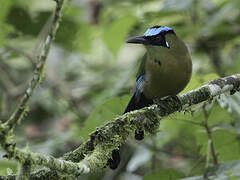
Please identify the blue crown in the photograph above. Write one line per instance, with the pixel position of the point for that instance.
(155, 30)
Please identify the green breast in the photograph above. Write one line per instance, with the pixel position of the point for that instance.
(167, 70)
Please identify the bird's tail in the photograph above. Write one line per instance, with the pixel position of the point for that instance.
(137, 102)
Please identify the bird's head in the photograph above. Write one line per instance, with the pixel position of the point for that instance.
(154, 36)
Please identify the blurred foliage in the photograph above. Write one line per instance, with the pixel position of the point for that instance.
(90, 74)
(167, 174)
(102, 114)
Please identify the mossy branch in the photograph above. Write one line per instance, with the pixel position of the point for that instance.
(6, 129)
(97, 150)
(38, 72)
(24, 171)
(93, 155)
(147, 118)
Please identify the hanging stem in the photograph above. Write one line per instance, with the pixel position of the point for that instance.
(210, 148)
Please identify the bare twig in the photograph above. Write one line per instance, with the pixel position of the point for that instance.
(210, 149)
(22, 53)
(9, 86)
(38, 72)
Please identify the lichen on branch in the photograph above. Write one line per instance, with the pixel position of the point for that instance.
(93, 155)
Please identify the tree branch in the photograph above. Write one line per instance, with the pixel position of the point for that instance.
(210, 149)
(38, 72)
(94, 153)
(97, 150)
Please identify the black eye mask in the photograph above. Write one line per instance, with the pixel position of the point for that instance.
(158, 40)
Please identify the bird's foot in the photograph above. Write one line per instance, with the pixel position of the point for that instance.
(168, 105)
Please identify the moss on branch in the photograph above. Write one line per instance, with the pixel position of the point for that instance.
(93, 155)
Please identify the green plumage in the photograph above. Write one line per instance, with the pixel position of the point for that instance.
(168, 70)
(165, 69)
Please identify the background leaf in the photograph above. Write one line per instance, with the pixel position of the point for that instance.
(168, 174)
(103, 114)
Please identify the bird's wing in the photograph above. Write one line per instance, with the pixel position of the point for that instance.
(139, 85)
(138, 99)
(141, 69)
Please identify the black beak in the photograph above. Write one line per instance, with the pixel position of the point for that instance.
(138, 40)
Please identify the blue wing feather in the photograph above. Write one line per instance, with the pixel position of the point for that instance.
(139, 85)
(138, 99)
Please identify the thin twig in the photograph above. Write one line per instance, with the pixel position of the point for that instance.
(22, 53)
(9, 86)
(210, 149)
(38, 72)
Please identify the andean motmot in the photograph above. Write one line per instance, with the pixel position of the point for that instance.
(165, 69)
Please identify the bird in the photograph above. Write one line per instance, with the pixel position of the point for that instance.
(165, 69)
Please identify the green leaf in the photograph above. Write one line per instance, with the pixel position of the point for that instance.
(224, 171)
(234, 178)
(183, 126)
(5, 6)
(217, 115)
(194, 83)
(5, 165)
(223, 140)
(177, 123)
(84, 37)
(166, 174)
(5, 28)
(178, 128)
(114, 34)
(225, 144)
(197, 81)
(103, 114)
(78, 37)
